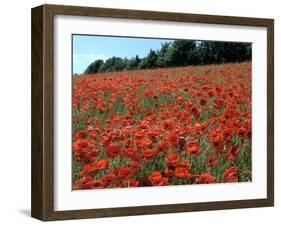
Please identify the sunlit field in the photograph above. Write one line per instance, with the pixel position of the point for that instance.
(175, 126)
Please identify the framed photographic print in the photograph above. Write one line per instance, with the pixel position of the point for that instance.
(141, 112)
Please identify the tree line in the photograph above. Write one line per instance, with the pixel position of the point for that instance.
(178, 53)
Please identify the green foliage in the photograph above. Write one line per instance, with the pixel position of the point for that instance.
(113, 64)
(164, 55)
(223, 52)
(94, 67)
(150, 61)
(178, 53)
(134, 62)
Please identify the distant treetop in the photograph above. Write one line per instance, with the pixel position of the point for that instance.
(177, 54)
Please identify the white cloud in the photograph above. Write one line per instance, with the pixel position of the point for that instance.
(82, 61)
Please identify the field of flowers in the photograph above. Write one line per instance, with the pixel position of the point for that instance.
(175, 126)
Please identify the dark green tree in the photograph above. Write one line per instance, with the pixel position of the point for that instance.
(164, 55)
(133, 63)
(180, 52)
(149, 61)
(249, 51)
(113, 64)
(143, 64)
(94, 67)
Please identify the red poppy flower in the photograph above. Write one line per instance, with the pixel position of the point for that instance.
(130, 153)
(218, 144)
(219, 103)
(184, 163)
(196, 111)
(97, 184)
(162, 146)
(139, 134)
(124, 172)
(170, 171)
(108, 179)
(156, 177)
(130, 183)
(93, 135)
(91, 120)
(113, 151)
(210, 93)
(85, 183)
(102, 164)
(173, 137)
(144, 143)
(193, 150)
(163, 182)
(198, 126)
(230, 175)
(168, 124)
(144, 182)
(182, 172)
(149, 153)
(226, 133)
(87, 169)
(212, 161)
(241, 131)
(81, 134)
(233, 153)
(172, 158)
(135, 166)
(206, 178)
(203, 101)
(88, 185)
(81, 144)
(182, 142)
(106, 141)
(83, 180)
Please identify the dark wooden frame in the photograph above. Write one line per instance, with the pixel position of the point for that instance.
(42, 203)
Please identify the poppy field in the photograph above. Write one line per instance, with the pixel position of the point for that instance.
(168, 126)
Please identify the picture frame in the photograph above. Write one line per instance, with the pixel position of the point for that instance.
(43, 108)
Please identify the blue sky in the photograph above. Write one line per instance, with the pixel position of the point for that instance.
(87, 49)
